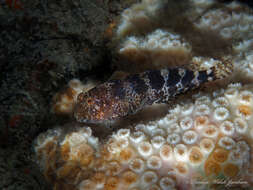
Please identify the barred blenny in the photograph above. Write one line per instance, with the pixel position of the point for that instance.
(117, 98)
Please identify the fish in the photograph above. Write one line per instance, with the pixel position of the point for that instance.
(114, 99)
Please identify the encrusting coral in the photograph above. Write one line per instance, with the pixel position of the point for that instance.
(229, 21)
(159, 49)
(141, 15)
(192, 147)
(203, 28)
(204, 142)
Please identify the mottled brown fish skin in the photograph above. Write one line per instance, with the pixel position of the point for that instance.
(117, 98)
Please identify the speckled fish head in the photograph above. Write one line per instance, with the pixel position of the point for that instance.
(99, 105)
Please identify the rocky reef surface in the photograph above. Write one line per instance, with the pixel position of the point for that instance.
(203, 140)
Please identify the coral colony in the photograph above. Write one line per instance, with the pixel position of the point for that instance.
(203, 142)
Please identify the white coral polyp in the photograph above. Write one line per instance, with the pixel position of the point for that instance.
(190, 137)
(123, 143)
(145, 149)
(187, 109)
(221, 113)
(171, 118)
(112, 147)
(148, 178)
(186, 123)
(231, 93)
(207, 145)
(173, 128)
(241, 125)
(166, 152)
(76, 138)
(137, 165)
(202, 109)
(226, 142)
(154, 163)
(182, 169)
(166, 183)
(181, 152)
(227, 128)
(137, 137)
(157, 141)
(123, 133)
(140, 127)
(220, 102)
(210, 131)
(114, 168)
(200, 122)
(150, 127)
(245, 97)
(173, 138)
(156, 132)
(203, 99)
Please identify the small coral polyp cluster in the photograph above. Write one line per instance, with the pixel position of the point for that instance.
(194, 146)
(204, 142)
(227, 21)
(64, 101)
